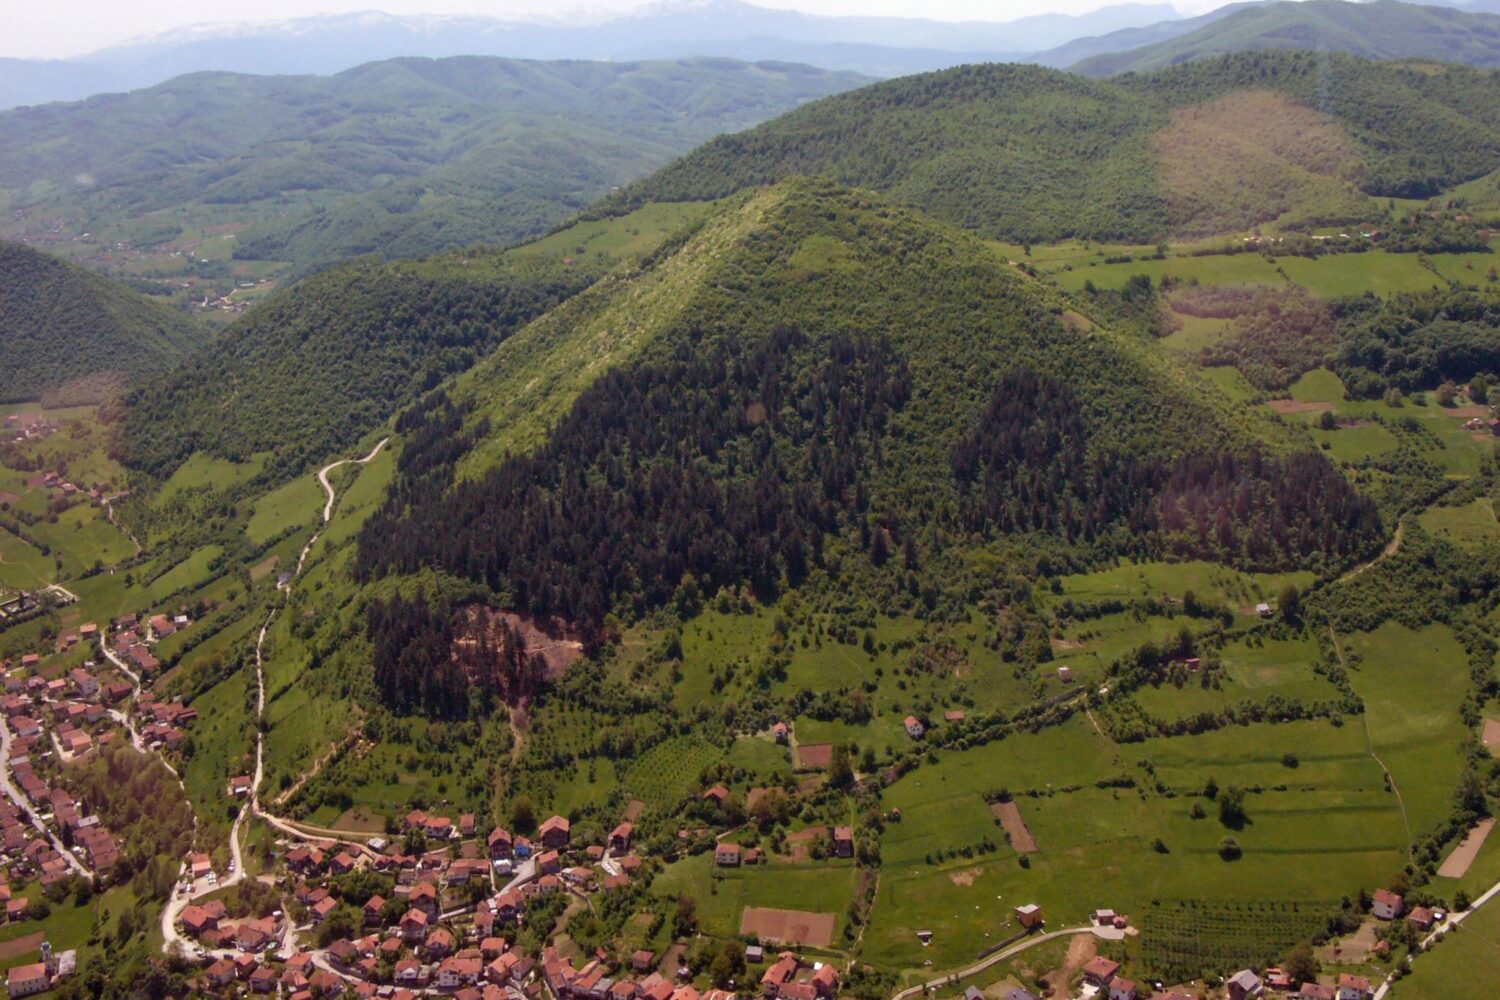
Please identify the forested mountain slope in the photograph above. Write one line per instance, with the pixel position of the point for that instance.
(321, 364)
(815, 370)
(405, 158)
(72, 335)
(1383, 29)
(1030, 154)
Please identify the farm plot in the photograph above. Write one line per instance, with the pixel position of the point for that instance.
(794, 927)
(1009, 815)
(667, 771)
(1183, 939)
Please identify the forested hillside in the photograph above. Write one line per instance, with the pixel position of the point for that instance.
(404, 158)
(71, 335)
(1029, 154)
(1384, 29)
(323, 363)
(744, 419)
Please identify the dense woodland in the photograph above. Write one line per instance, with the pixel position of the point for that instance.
(73, 336)
(316, 368)
(728, 465)
(1026, 472)
(1079, 158)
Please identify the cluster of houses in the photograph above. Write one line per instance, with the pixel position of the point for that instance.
(209, 924)
(134, 639)
(787, 977)
(100, 494)
(415, 942)
(20, 428)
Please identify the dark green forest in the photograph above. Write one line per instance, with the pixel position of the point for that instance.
(73, 336)
(317, 367)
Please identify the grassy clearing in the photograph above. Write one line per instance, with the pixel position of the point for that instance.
(1258, 671)
(202, 470)
(1338, 275)
(191, 572)
(722, 894)
(1469, 526)
(1412, 682)
(297, 504)
(1243, 269)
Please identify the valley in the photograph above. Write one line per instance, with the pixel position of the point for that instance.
(853, 560)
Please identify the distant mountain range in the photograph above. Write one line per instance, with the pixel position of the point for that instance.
(1383, 29)
(878, 46)
(405, 157)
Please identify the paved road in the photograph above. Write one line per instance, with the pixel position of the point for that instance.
(991, 960)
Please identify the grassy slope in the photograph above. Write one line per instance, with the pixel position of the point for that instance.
(63, 324)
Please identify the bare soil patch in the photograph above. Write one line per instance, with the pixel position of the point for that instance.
(814, 930)
(1286, 406)
(1351, 950)
(800, 843)
(481, 636)
(360, 820)
(814, 754)
(1082, 948)
(1491, 734)
(1467, 412)
(1009, 814)
(1456, 864)
(16, 947)
(965, 877)
(634, 809)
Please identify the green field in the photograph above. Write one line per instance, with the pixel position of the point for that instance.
(1465, 958)
(298, 504)
(1471, 525)
(1412, 683)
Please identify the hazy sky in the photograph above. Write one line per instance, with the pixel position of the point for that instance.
(55, 28)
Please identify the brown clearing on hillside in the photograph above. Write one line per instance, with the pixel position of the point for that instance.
(1241, 160)
(1456, 865)
(814, 930)
(634, 810)
(1491, 734)
(1467, 412)
(511, 653)
(1286, 406)
(1009, 814)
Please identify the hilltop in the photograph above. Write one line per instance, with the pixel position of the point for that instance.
(71, 335)
(1383, 29)
(1029, 154)
(403, 158)
(717, 417)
